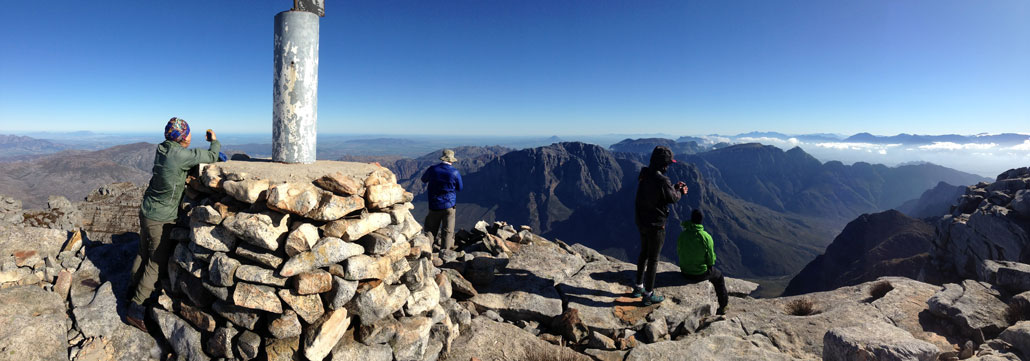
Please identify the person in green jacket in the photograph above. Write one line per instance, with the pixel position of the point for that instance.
(696, 253)
(160, 210)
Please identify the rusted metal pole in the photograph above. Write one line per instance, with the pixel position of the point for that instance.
(295, 88)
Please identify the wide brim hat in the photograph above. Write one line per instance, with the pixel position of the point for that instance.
(448, 156)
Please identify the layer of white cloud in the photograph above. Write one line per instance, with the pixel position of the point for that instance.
(856, 146)
(1021, 147)
(956, 146)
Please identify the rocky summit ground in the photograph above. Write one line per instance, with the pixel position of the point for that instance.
(509, 294)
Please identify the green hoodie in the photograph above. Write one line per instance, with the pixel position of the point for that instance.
(695, 249)
(161, 200)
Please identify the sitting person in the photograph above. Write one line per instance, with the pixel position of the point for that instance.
(696, 253)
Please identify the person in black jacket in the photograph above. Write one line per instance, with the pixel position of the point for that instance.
(654, 194)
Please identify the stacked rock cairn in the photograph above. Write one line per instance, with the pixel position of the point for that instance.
(327, 263)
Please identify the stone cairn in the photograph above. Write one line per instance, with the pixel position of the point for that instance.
(285, 262)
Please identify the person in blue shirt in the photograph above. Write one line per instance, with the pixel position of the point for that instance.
(444, 180)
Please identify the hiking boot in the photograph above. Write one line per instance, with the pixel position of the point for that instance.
(653, 298)
(638, 291)
(721, 311)
(134, 316)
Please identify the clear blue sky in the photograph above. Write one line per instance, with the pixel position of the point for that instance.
(528, 67)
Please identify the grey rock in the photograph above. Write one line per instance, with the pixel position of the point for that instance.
(239, 316)
(654, 331)
(220, 343)
(1014, 277)
(256, 274)
(343, 292)
(348, 349)
(184, 258)
(490, 340)
(973, 306)
(285, 326)
(378, 302)
(376, 243)
(1021, 203)
(34, 324)
(100, 318)
(1018, 336)
(247, 345)
(266, 230)
(185, 340)
(412, 338)
(284, 349)
(875, 340)
(423, 299)
(600, 341)
(301, 239)
(212, 237)
(206, 214)
(309, 307)
(222, 270)
(458, 283)
(327, 251)
(323, 335)
(256, 297)
(259, 256)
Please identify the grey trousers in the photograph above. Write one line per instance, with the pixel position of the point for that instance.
(152, 259)
(444, 217)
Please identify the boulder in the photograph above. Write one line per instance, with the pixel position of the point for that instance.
(385, 195)
(185, 340)
(220, 343)
(249, 191)
(349, 349)
(285, 325)
(973, 306)
(213, 237)
(239, 316)
(363, 267)
(354, 229)
(306, 200)
(222, 270)
(422, 299)
(312, 282)
(283, 349)
(44, 241)
(308, 307)
(1014, 277)
(378, 302)
(343, 292)
(247, 345)
(199, 319)
(322, 335)
(266, 229)
(1018, 336)
(875, 340)
(341, 184)
(34, 324)
(260, 256)
(327, 251)
(491, 340)
(205, 214)
(100, 318)
(256, 274)
(459, 283)
(412, 338)
(256, 297)
(301, 239)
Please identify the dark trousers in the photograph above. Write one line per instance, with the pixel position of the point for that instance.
(718, 281)
(651, 240)
(152, 259)
(444, 217)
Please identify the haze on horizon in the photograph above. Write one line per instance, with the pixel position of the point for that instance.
(530, 67)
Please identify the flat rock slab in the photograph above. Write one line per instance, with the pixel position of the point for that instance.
(973, 306)
(100, 318)
(491, 340)
(546, 259)
(601, 294)
(34, 324)
(715, 347)
(274, 172)
(875, 340)
(46, 241)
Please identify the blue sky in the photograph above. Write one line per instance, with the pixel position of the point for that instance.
(529, 67)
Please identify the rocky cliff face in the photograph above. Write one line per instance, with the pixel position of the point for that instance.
(933, 203)
(991, 221)
(872, 246)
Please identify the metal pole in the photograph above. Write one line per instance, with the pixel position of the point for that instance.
(295, 89)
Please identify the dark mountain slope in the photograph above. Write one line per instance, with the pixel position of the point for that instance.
(934, 202)
(873, 245)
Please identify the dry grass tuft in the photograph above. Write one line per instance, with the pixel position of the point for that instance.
(801, 307)
(879, 289)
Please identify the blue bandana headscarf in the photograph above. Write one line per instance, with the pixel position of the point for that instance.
(176, 130)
